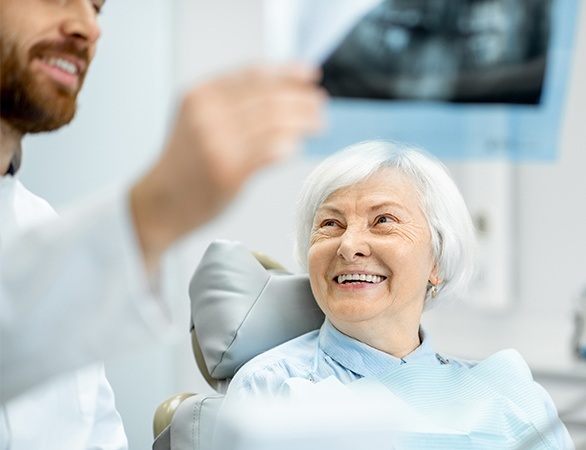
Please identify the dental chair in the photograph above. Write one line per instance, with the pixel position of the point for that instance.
(242, 304)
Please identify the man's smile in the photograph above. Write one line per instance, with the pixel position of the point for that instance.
(64, 70)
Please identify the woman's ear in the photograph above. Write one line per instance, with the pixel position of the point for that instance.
(434, 277)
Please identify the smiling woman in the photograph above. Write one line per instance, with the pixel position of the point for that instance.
(371, 260)
(412, 185)
(384, 233)
(389, 211)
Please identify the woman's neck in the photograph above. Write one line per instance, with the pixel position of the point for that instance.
(397, 339)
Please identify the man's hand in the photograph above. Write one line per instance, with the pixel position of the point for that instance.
(226, 129)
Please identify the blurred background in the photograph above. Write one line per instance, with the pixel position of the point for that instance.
(532, 213)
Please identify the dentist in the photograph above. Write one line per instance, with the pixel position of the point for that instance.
(76, 289)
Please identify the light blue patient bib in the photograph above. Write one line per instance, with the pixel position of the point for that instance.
(493, 405)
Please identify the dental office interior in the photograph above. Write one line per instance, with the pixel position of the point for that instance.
(532, 210)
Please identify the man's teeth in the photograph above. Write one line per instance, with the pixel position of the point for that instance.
(360, 277)
(62, 64)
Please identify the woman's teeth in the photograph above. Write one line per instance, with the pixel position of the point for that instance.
(359, 277)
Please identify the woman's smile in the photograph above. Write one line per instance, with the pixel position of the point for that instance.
(358, 278)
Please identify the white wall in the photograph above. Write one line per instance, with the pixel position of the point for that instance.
(120, 125)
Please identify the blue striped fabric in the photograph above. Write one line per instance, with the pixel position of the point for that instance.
(495, 404)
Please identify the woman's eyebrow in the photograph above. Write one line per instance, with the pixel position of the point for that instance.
(387, 204)
(325, 208)
(328, 208)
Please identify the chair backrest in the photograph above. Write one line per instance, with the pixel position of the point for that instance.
(243, 304)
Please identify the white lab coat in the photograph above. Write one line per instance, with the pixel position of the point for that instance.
(72, 412)
(72, 291)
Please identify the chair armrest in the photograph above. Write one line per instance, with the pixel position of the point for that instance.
(165, 411)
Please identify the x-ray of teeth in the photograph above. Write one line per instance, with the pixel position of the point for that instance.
(454, 50)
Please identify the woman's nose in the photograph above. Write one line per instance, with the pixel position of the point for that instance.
(81, 21)
(353, 245)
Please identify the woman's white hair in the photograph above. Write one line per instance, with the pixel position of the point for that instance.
(452, 232)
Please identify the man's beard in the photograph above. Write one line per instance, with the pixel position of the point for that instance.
(26, 104)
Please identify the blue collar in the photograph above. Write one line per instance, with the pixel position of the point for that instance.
(365, 360)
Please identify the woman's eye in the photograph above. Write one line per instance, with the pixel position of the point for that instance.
(385, 219)
(329, 223)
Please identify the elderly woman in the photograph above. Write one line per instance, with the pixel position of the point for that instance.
(384, 234)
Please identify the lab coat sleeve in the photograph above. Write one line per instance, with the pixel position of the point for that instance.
(107, 430)
(74, 291)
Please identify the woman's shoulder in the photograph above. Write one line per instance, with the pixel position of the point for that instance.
(267, 371)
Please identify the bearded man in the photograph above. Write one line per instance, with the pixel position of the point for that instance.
(76, 289)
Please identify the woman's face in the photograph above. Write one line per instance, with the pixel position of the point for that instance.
(370, 255)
